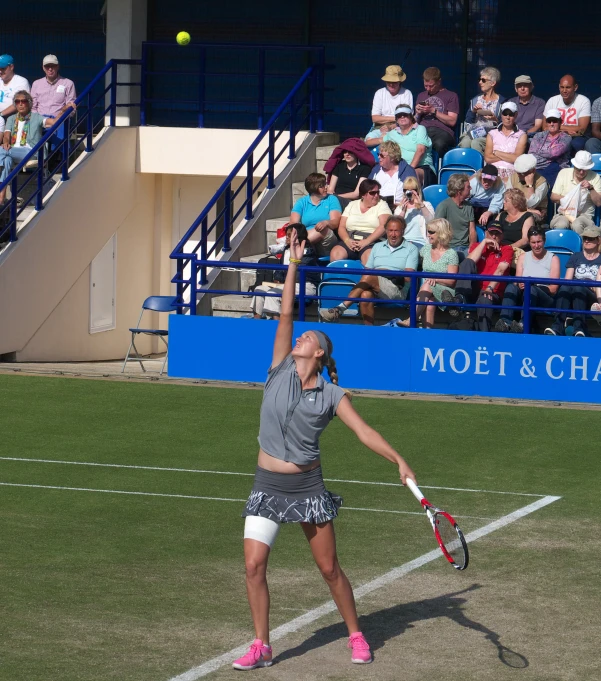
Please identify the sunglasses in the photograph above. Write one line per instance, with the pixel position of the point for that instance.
(431, 231)
(381, 155)
(590, 238)
(508, 113)
(375, 192)
(553, 120)
(483, 80)
(20, 101)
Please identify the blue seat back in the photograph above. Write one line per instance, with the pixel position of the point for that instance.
(480, 232)
(337, 282)
(160, 304)
(563, 240)
(470, 158)
(563, 261)
(597, 162)
(435, 193)
(445, 173)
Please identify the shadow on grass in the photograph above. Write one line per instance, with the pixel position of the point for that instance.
(386, 624)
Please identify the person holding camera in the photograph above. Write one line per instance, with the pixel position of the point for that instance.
(415, 210)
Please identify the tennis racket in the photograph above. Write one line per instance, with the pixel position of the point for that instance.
(448, 535)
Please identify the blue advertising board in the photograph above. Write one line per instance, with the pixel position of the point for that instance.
(398, 359)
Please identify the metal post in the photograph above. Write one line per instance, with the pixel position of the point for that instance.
(113, 112)
(180, 285)
(464, 54)
(65, 148)
(39, 197)
(90, 125)
(292, 148)
(261, 96)
(227, 218)
(143, 71)
(13, 209)
(203, 249)
(413, 302)
(193, 284)
(302, 303)
(526, 307)
(202, 58)
(249, 187)
(271, 159)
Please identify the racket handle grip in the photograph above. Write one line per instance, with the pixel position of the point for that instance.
(414, 489)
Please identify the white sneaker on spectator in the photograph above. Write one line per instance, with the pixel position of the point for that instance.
(333, 314)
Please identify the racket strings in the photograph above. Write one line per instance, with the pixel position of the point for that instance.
(450, 538)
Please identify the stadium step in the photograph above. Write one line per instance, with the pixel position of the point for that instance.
(239, 306)
(322, 154)
(272, 226)
(298, 191)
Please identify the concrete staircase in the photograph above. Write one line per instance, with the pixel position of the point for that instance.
(238, 306)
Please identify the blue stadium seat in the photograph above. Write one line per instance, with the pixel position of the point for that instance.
(597, 162)
(563, 241)
(463, 157)
(435, 193)
(480, 233)
(563, 261)
(337, 282)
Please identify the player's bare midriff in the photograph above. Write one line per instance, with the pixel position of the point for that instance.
(270, 463)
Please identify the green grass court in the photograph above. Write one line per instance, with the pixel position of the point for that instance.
(134, 571)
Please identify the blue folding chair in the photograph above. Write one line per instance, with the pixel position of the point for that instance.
(153, 304)
(435, 193)
(563, 240)
(337, 282)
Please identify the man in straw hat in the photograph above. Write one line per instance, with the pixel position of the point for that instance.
(388, 98)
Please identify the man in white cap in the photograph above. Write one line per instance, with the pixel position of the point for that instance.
(575, 111)
(577, 191)
(10, 83)
(388, 98)
(532, 184)
(53, 94)
(530, 108)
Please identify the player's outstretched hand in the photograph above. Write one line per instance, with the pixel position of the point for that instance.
(296, 250)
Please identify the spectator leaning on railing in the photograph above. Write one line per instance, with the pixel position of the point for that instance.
(540, 264)
(577, 190)
(459, 213)
(10, 84)
(23, 131)
(585, 265)
(393, 254)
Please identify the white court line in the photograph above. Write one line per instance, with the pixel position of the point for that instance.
(190, 496)
(197, 470)
(384, 580)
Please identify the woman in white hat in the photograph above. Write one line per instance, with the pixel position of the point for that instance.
(506, 142)
(552, 148)
(577, 190)
(533, 185)
(388, 98)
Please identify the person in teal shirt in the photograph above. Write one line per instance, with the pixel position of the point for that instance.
(320, 213)
(416, 145)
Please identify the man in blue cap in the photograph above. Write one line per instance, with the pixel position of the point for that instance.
(10, 83)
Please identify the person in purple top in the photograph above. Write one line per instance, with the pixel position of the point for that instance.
(437, 109)
(530, 108)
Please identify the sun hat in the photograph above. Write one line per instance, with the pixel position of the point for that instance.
(523, 79)
(524, 163)
(490, 172)
(50, 59)
(591, 232)
(583, 160)
(6, 60)
(394, 74)
(553, 113)
(403, 108)
(512, 106)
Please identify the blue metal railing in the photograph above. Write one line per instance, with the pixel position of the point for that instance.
(412, 302)
(299, 110)
(82, 125)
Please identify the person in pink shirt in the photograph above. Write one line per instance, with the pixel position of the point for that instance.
(506, 142)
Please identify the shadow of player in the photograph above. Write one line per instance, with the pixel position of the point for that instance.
(389, 623)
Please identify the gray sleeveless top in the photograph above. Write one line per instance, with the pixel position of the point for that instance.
(537, 268)
(292, 419)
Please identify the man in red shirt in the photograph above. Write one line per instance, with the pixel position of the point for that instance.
(486, 257)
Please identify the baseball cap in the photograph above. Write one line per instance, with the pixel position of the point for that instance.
(50, 59)
(524, 163)
(591, 232)
(403, 108)
(495, 226)
(512, 106)
(553, 113)
(523, 79)
(6, 60)
(490, 172)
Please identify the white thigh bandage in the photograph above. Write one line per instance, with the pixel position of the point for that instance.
(261, 529)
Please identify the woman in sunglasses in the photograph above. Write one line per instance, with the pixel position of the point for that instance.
(22, 132)
(361, 224)
(484, 111)
(506, 142)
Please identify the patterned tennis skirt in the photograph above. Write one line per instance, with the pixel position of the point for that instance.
(292, 497)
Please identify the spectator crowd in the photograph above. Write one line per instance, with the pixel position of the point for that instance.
(536, 173)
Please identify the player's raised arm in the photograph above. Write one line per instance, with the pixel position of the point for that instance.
(283, 336)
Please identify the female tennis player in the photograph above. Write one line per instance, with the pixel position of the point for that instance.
(297, 406)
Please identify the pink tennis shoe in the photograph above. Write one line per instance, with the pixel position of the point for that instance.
(258, 655)
(360, 647)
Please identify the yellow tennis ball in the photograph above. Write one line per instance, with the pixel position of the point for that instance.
(183, 38)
